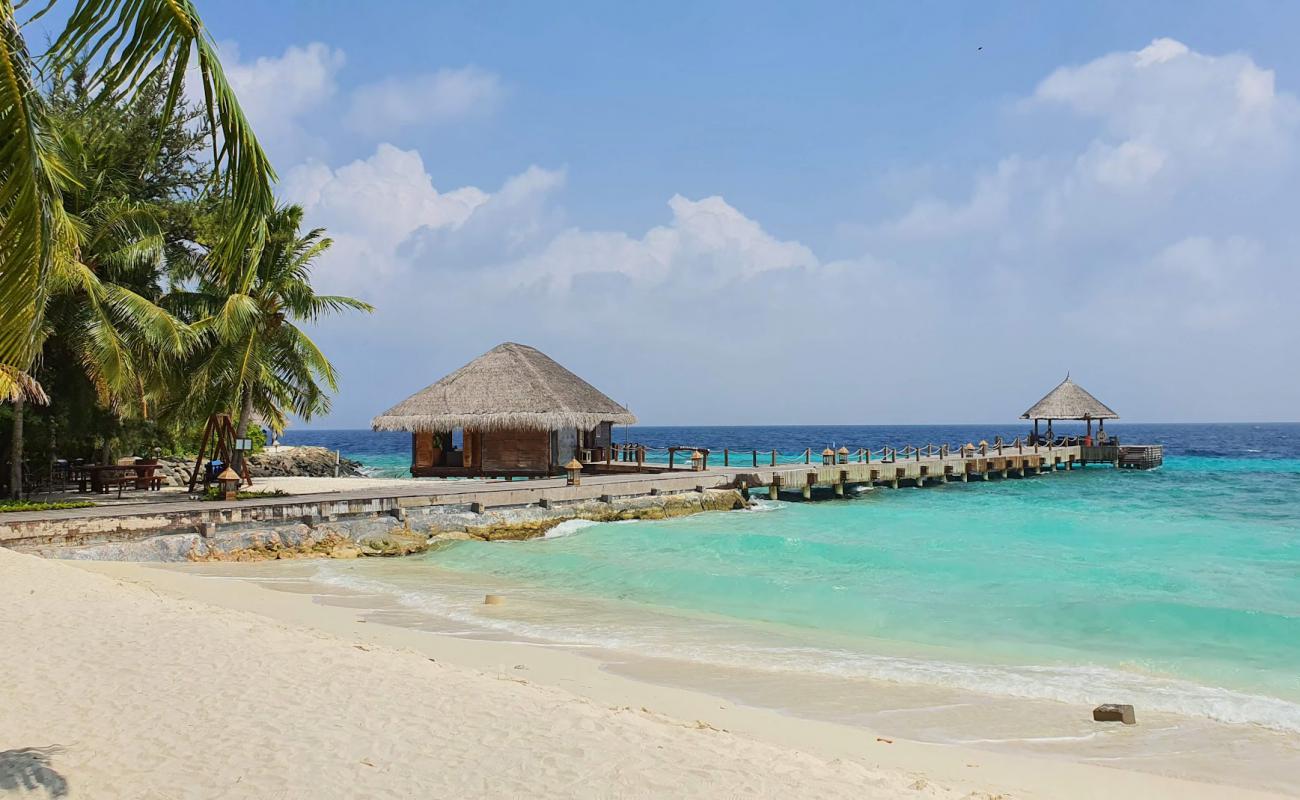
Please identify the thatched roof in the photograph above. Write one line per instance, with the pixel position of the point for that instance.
(510, 386)
(1069, 401)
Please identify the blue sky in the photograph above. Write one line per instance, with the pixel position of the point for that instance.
(799, 213)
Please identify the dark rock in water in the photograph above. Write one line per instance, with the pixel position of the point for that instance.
(1114, 712)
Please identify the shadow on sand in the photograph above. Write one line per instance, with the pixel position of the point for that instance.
(29, 769)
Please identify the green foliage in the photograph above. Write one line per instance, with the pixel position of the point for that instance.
(120, 51)
(148, 281)
(252, 356)
(257, 437)
(30, 505)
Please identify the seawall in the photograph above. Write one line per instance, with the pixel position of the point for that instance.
(352, 531)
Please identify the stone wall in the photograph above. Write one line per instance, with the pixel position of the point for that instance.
(377, 531)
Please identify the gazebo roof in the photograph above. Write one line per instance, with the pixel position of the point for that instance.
(1069, 400)
(510, 386)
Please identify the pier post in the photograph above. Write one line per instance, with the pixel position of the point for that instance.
(808, 484)
(838, 486)
(1069, 463)
(965, 476)
(774, 488)
(774, 458)
(984, 475)
(726, 457)
(744, 490)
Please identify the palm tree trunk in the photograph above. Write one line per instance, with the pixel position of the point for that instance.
(241, 430)
(16, 453)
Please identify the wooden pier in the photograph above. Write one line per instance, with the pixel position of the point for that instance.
(831, 474)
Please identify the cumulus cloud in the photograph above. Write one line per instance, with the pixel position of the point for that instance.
(277, 92)
(436, 98)
(1140, 251)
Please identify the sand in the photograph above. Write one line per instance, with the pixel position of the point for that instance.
(153, 683)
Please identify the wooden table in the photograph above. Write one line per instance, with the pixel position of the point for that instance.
(102, 476)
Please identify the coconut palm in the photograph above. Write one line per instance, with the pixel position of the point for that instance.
(119, 338)
(253, 357)
(123, 45)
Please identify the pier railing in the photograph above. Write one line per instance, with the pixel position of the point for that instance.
(696, 457)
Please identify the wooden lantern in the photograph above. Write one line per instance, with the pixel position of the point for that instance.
(229, 481)
(574, 470)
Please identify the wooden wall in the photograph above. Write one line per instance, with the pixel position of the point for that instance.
(510, 450)
(422, 449)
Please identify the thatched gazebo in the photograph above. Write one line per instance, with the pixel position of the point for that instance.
(1070, 401)
(522, 414)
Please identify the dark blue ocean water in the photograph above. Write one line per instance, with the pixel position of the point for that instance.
(388, 453)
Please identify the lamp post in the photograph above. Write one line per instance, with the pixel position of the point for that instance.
(574, 469)
(828, 456)
(843, 454)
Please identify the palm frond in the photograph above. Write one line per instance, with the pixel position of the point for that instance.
(16, 384)
(133, 41)
(30, 209)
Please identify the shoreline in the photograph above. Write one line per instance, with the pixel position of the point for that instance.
(950, 768)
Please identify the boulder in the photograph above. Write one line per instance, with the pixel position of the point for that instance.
(394, 543)
(1114, 712)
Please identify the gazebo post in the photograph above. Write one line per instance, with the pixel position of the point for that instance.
(1035, 430)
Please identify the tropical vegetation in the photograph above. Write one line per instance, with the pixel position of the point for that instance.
(147, 277)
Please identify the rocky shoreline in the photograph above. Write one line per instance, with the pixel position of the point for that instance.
(303, 461)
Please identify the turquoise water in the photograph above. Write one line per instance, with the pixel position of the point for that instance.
(1177, 589)
(1171, 583)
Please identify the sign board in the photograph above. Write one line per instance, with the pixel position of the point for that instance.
(243, 444)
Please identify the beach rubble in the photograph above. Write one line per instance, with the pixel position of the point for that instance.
(1114, 712)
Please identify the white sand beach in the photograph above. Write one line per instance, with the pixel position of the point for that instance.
(154, 683)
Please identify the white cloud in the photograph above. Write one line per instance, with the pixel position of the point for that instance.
(1145, 248)
(1168, 98)
(371, 206)
(277, 92)
(436, 98)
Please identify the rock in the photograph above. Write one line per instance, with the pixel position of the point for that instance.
(1114, 712)
(311, 462)
(348, 550)
(394, 543)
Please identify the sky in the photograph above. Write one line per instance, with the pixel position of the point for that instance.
(813, 213)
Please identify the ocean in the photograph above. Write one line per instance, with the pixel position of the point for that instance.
(1176, 589)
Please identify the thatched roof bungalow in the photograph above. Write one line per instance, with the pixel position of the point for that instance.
(521, 412)
(1069, 401)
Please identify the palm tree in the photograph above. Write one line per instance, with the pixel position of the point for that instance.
(125, 44)
(119, 338)
(253, 357)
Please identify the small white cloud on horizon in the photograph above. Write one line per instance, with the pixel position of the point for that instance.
(436, 98)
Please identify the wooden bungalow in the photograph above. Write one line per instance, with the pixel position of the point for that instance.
(1072, 402)
(521, 413)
